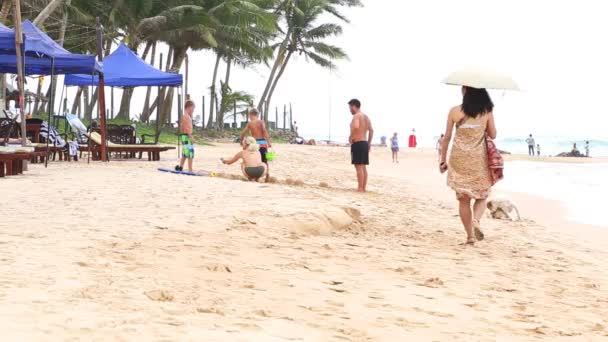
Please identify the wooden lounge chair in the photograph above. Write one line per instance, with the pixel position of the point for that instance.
(152, 150)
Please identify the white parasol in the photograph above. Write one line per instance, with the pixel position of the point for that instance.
(481, 78)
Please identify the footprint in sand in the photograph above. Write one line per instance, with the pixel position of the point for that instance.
(432, 282)
(210, 311)
(218, 268)
(160, 295)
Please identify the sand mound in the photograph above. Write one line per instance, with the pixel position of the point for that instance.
(318, 223)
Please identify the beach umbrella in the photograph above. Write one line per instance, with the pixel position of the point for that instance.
(481, 78)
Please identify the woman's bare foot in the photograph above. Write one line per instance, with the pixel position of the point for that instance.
(470, 241)
(478, 233)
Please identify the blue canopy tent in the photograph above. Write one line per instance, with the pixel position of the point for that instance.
(7, 38)
(42, 56)
(40, 52)
(123, 68)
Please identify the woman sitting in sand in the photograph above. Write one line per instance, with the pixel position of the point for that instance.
(252, 166)
(468, 171)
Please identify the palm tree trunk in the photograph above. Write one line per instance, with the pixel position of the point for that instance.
(146, 50)
(212, 90)
(91, 105)
(87, 113)
(225, 88)
(179, 54)
(47, 11)
(125, 104)
(277, 63)
(76, 100)
(276, 80)
(6, 9)
(38, 96)
(62, 29)
(145, 113)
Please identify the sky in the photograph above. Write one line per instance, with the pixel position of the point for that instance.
(399, 52)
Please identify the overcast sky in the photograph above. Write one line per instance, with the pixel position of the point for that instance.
(401, 50)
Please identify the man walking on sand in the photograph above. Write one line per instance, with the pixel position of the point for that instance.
(185, 137)
(361, 135)
(258, 130)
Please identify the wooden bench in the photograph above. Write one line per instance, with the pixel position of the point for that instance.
(153, 151)
(12, 163)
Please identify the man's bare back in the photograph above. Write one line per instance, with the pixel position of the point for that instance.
(359, 127)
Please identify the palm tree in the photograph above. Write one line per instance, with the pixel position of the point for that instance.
(245, 28)
(236, 24)
(303, 35)
(181, 27)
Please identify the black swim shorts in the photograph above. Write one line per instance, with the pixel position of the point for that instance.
(359, 153)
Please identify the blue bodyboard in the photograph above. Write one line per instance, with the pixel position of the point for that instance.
(185, 173)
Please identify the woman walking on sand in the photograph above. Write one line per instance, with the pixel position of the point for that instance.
(468, 170)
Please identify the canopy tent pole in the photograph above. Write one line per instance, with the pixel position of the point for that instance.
(187, 67)
(100, 90)
(159, 104)
(112, 102)
(51, 105)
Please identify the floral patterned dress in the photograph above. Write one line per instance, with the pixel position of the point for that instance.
(468, 172)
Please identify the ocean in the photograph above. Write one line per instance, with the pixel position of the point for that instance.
(550, 145)
(579, 187)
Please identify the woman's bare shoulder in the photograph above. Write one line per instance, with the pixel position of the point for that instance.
(456, 110)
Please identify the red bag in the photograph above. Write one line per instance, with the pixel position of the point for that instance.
(495, 162)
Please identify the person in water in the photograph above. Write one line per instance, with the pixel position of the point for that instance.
(361, 135)
(468, 167)
(395, 148)
(257, 129)
(252, 166)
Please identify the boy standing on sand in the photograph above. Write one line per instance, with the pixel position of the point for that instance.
(361, 135)
(257, 129)
(185, 137)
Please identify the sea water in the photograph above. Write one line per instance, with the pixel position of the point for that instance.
(581, 188)
(550, 145)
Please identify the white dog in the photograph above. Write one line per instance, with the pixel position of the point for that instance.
(501, 209)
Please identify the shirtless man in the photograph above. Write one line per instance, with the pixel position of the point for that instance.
(361, 135)
(258, 130)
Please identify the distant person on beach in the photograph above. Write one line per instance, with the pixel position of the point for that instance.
(538, 150)
(252, 166)
(468, 170)
(439, 144)
(531, 144)
(575, 149)
(412, 141)
(395, 148)
(587, 149)
(256, 127)
(361, 135)
(185, 137)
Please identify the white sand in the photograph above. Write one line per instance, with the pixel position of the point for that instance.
(122, 252)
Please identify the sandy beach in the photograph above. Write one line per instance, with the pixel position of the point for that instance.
(122, 252)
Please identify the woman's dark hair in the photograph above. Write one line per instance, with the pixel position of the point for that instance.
(476, 102)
